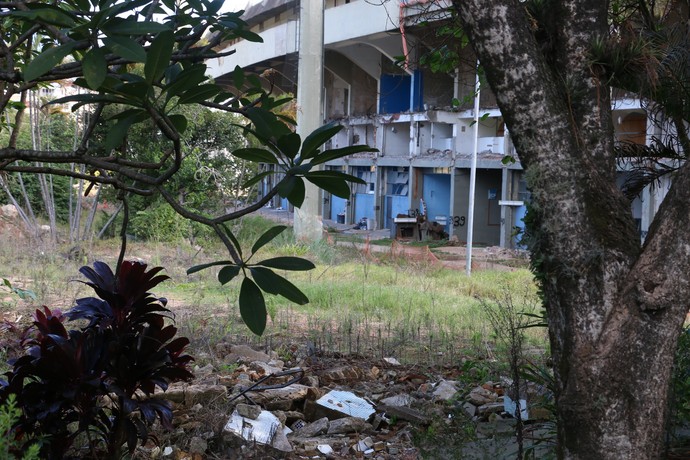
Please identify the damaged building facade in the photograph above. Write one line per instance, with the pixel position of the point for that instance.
(420, 121)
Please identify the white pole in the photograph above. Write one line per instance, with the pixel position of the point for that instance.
(473, 176)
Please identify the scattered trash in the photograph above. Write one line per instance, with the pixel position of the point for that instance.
(347, 403)
(510, 407)
(266, 429)
(325, 449)
(392, 361)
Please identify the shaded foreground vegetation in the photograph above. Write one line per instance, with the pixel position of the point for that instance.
(360, 306)
(377, 307)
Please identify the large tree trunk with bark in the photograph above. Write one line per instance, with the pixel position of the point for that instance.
(614, 308)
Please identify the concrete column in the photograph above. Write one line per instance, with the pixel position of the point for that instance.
(506, 211)
(308, 224)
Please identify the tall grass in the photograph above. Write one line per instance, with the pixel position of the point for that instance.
(410, 310)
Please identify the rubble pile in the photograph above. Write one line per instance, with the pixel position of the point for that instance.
(315, 408)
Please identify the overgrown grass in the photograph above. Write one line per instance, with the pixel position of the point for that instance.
(411, 310)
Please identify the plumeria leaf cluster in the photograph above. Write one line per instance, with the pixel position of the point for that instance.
(260, 278)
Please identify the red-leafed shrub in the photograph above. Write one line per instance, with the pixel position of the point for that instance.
(87, 392)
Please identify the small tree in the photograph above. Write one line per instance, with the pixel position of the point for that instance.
(97, 45)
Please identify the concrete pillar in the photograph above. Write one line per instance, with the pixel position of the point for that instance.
(308, 224)
(506, 211)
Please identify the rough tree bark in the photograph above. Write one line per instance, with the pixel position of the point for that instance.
(615, 308)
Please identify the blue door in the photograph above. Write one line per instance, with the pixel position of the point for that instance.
(364, 206)
(436, 194)
(395, 204)
(338, 206)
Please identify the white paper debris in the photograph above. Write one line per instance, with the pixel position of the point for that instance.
(347, 403)
(266, 429)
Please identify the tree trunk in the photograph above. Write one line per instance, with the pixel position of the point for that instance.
(615, 309)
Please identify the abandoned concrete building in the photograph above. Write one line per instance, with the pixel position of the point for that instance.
(420, 121)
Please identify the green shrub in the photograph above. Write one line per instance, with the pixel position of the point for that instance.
(9, 446)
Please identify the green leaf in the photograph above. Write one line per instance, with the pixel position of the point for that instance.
(293, 189)
(49, 15)
(186, 79)
(329, 155)
(257, 178)
(289, 144)
(248, 35)
(296, 196)
(252, 307)
(179, 121)
(47, 60)
(126, 48)
(238, 77)
(227, 273)
(159, 55)
(214, 6)
(199, 93)
(276, 284)
(317, 138)
(231, 235)
(88, 99)
(288, 263)
(335, 187)
(266, 123)
(121, 26)
(95, 67)
(116, 135)
(267, 237)
(198, 268)
(134, 92)
(256, 155)
(337, 175)
(508, 160)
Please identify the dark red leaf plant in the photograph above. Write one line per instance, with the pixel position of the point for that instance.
(88, 392)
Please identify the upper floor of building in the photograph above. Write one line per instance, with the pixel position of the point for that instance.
(375, 83)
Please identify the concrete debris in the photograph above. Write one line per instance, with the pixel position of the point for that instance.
(348, 425)
(310, 430)
(445, 390)
(330, 413)
(248, 411)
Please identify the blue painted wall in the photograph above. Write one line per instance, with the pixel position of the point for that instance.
(436, 194)
(395, 204)
(338, 205)
(401, 93)
(417, 91)
(395, 93)
(364, 206)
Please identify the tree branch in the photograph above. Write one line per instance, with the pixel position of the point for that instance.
(654, 282)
